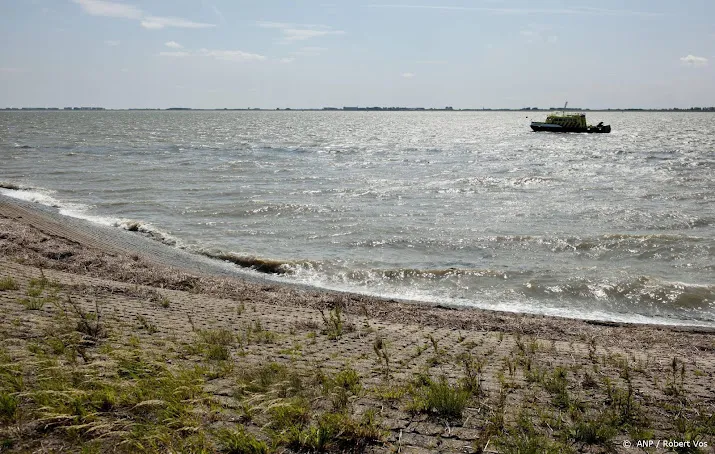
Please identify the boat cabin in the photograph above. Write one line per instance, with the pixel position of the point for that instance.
(568, 121)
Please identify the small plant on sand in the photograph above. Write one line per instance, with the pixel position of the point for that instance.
(526, 439)
(333, 323)
(89, 324)
(557, 385)
(8, 283)
(219, 336)
(216, 343)
(335, 432)
(472, 373)
(238, 441)
(439, 398)
(8, 406)
(40, 291)
(343, 387)
(593, 429)
(164, 302)
(146, 324)
(256, 333)
(383, 358)
(675, 384)
(277, 378)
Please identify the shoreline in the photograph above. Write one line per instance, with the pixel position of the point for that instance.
(156, 250)
(371, 364)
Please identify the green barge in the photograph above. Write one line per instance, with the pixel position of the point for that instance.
(569, 123)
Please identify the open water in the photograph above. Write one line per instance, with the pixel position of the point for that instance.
(459, 208)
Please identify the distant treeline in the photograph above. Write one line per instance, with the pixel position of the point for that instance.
(393, 109)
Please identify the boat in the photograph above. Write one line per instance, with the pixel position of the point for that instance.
(575, 122)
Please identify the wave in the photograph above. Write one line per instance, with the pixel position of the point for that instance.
(10, 186)
(640, 290)
(81, 211)
(149, 231)
(262, 265)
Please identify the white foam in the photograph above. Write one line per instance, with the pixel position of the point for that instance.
(45, 197)
(81, 211)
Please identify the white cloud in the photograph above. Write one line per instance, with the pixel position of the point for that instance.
(408, 75)
(227, 55)
(692, 60)
(538, 33)
(310, 51)
(231, 55)
(11, 70)
(300, 32)
(280, 25)
(180, 53)
(527, 11)
(157, 23)
(274, 25)
(107, 8)
(112, 42)
(431, 62)
(173, 45)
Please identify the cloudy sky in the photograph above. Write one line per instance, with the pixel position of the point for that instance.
(305, 53)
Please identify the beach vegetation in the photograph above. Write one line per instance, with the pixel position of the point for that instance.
(219, 336)
(557, 386)
(593, 429)
(164, 302)
(89, 324)
(40, 291)
(238, 441)
(334, 432)
(333, 322)
(146, 324)
(8, 283)
(473, 369)
(379, 346)
(215, 344)
(439, 398)
(285, 382)
(524, 438)
(8, 406)
(343, 387)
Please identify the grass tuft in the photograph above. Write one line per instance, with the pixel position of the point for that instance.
(439, 398)
(8, 283)
(238, 441)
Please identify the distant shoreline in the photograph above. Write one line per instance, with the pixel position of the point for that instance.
(349, 109)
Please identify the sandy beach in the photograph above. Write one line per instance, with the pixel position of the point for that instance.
(95, 321)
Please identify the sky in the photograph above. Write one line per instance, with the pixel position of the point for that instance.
(312, 54)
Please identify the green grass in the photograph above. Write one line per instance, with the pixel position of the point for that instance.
(439, 398)
(8, 407)
(238, 441)
(334, 432)
(334, 323)
(8, 283)
(40, 291)
(594, 430)
(557, 386)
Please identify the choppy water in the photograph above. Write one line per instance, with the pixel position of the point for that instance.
(467, 208)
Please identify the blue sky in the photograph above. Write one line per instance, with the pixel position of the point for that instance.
(302, 53)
